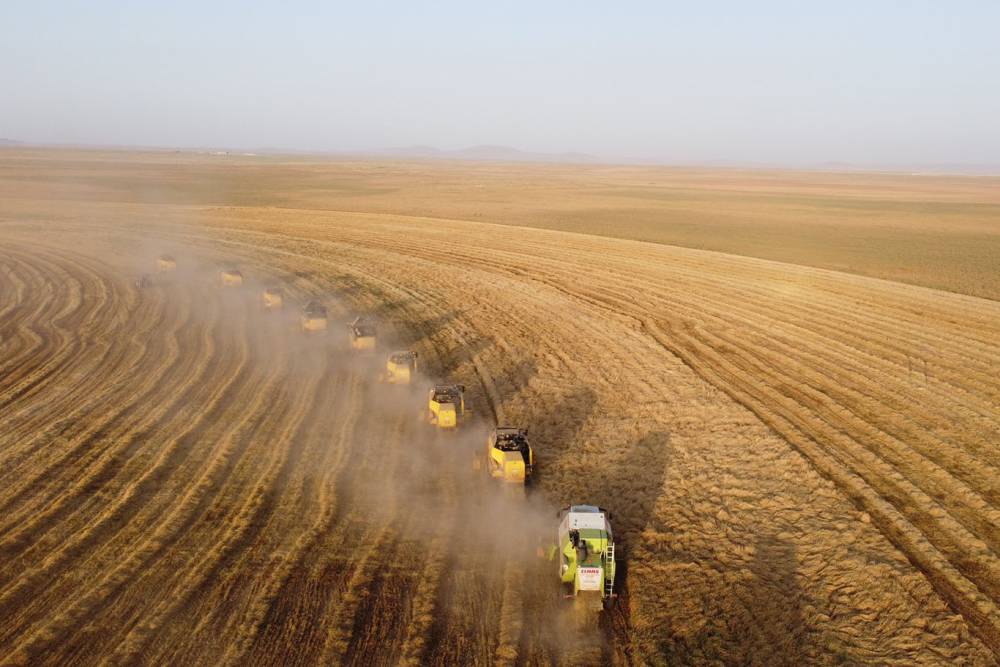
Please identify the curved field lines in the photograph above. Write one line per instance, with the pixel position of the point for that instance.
(885, 389)
(802, 464)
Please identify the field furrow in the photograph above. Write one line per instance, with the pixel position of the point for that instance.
(801, 463)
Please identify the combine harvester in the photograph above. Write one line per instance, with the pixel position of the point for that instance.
(586, 554)
(509, 458)
(400, 367)
(272, 298)
(166, 264)
(362, 334)
(230, 278)
(313, 317)
(446, 406)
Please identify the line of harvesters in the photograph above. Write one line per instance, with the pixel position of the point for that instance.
(585, 548)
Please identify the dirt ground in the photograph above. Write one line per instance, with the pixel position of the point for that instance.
(802, 463)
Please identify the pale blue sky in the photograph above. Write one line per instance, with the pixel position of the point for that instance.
(869, 83)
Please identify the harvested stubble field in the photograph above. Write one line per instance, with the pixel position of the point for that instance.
(802, 463)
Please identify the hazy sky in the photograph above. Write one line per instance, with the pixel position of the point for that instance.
(869, 82)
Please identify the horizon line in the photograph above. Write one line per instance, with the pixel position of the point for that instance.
(424, 152)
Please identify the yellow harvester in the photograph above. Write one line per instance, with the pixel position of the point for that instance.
(313, 317)
(446, 406)
(509, 458)
(272, 298)
(362, 334)
(230, 278)
(166, 263)
(400, 367)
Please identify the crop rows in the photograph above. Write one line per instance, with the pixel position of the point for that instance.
(800, 463)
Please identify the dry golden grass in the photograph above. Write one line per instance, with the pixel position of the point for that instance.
(802, 463)
(932, 230)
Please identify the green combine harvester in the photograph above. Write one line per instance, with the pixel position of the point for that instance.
(586, 554)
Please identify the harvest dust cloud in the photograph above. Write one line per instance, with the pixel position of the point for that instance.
(799, 452)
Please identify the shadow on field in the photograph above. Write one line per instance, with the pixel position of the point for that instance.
(405, 315)
(447, 354)
(770, 630)
(758, 621)
(556, 427)
(627, 485)
(630, 484)
(454, 358)
(412, 329)
(513, 376)
(388, 308)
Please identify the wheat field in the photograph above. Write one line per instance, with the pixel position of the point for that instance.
(802, 462)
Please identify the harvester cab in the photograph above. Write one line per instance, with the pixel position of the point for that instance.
(586, 554)
(230, 278)
(166, 263)
(446, 405)
(272, 298)
(362, 334)
(143, 281)
(509, 458)
(400, 367)
(313, 317)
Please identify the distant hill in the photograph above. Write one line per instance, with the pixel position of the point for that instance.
(486, 153)
(10, 142)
